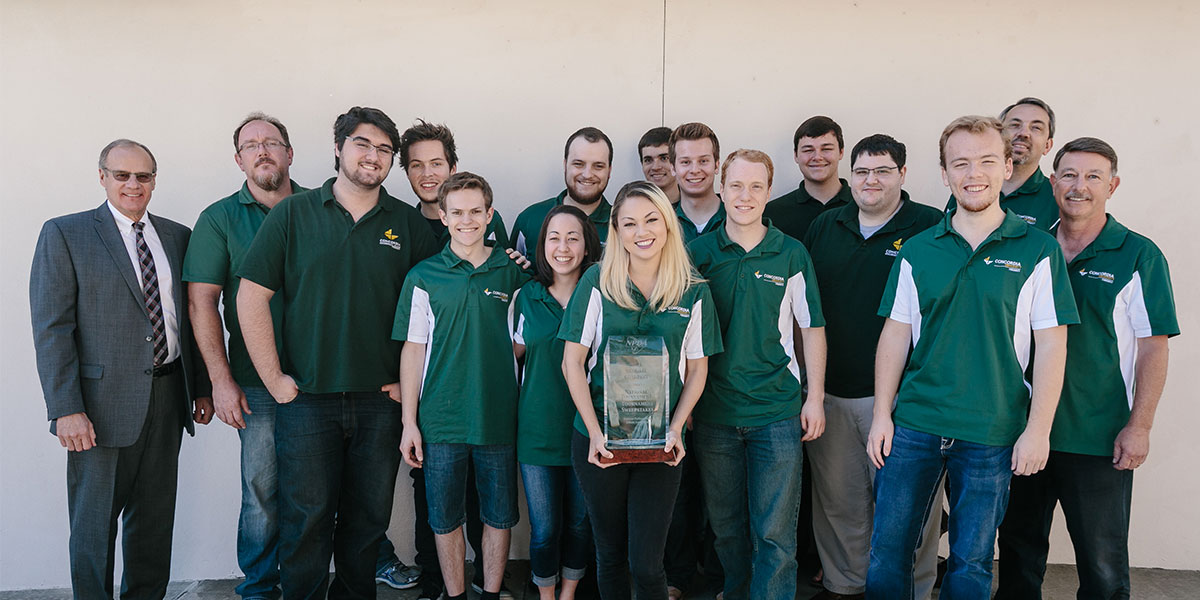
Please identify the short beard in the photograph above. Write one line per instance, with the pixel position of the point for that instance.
(268, 182)
(585, 200)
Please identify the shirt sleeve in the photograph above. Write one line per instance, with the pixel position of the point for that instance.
(413, 312)
(805, 295)
(900, 301)
(516, 318)
(207, 258)
(581, 319)
(1053, 302)
(265, 259)
(499, 230)
(703, 336)
(1151, 305)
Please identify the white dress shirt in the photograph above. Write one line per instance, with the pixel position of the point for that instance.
(162, 267)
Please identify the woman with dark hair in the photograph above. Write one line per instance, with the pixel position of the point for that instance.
(644, 286)
(560, 536)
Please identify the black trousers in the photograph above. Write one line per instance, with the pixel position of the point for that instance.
(137, 484)
(1095, 500)
(630, 508)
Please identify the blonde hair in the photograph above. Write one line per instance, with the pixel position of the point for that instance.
(753, 156)
(675, 272)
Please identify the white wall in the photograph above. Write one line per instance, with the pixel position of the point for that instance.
(512, 80)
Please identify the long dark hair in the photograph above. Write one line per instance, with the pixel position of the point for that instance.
(543, 273)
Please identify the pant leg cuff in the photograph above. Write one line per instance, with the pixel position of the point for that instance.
(544, 581)
(573, 574)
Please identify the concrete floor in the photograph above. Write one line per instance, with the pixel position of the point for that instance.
(1156, 584)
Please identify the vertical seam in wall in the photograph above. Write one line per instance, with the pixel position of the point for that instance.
(662, 116)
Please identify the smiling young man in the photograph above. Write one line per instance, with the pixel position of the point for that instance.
(1116, 369)
(969, 294)
(453, 313)
(694, 152)
(337, 256)
(223, 234)
(862, 238)
(1029, 124)
(752, 414)
(818, 147)
(587, 165)
(428, 156)
(655, 156)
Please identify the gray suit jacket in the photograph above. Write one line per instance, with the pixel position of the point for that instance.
(91, 330)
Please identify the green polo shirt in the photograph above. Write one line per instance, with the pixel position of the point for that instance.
(972, 314)
(717, 221)
(545, 411)
(1123, 290)
(689, 330)
(758, 294)
(495, 232)
(794, 211)
(851, 326)
(461, 313)
(219, 242)
(529, 223)
(338, 280)
(1033, 202)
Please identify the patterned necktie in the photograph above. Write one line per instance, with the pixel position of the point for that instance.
(150, 294)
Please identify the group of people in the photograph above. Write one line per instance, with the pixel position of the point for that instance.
(891, 341)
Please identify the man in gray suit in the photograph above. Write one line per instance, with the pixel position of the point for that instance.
(119, 372)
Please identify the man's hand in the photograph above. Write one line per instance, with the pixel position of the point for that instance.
(1030, 452)
(1131, 448)
(812, 418)
(75, 432)
(393, 391)
(283, 388)
(230, 402)
(202, 412)
(879, 440)
(411, 447)
(518, 258)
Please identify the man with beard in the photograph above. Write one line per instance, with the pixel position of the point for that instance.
(818, 147)
(1116, 369)
(969, 294)
(1029, 123)
(222, 235)
(337, 256)
(587, 165)
(428, 156)
(656, 161)
(694, 151)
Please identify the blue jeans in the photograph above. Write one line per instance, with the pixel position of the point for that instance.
(258, 522)
(338, 456)
(556, 512)
(751, 478)
(446, 484)
(905, 489)
(1095, 500)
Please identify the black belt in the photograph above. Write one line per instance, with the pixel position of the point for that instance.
(167, 369)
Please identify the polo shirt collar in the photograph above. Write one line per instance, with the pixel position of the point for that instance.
(905, 216)
(245, 197)
(386, 201)
(1111, 237)
(772, 243)
(716, 218)
(453, 260)
(540, 293)
(600, 215)
(1012, 227)
(1031, 185)
(842, 197)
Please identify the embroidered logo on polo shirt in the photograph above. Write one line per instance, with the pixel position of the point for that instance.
(1028, 219)
(895, 249)
(497, 294)
(389, 239)
(1104, 276)
(775, 279)
(1011, 265)
(679, 310)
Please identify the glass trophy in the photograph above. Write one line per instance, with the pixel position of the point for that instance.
(636, 407)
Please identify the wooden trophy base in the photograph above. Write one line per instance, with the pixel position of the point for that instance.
(637, 455)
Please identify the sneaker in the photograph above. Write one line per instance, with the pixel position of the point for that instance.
(399, 576)
(505, 593)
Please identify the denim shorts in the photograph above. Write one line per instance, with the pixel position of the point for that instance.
(446, 485)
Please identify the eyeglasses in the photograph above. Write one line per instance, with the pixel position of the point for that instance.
(270, 145)
(879, 172)
(366, 147)
(125, 175)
